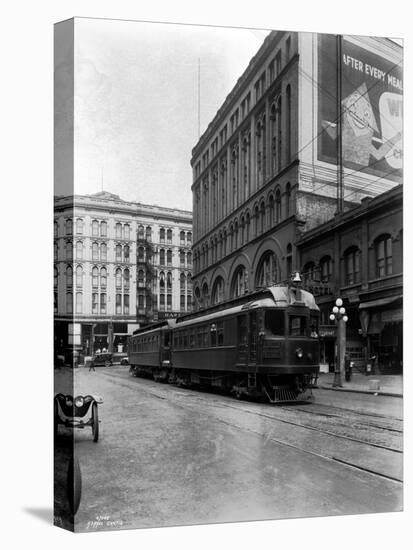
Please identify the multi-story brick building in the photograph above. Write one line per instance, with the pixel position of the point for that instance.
(117, 264)
(266, 169)
(358, 256)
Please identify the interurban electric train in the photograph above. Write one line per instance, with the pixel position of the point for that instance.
(262, 345)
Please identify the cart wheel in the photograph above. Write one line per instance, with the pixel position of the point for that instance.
(74, 484)
(95, 422)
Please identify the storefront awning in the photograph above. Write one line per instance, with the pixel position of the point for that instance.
(379, 303)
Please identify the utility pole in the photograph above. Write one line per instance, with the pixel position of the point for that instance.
(340, 177)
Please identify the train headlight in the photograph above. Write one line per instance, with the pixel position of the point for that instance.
(69, 401)
(79, 401)
(299, 353)
(310, 356)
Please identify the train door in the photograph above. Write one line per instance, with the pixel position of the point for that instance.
(242, 338)
(253, 338)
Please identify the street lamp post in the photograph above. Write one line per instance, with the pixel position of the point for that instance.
(339, 316)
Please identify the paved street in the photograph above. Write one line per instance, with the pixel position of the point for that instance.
(172, 456)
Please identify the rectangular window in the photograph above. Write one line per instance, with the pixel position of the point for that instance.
(126, 304)
(274, 322)
(69, 302)
(118, 304)
(169, 302)
(297, 325)
(162, 302)
(103, 303)
(220, 333)
(94, 303)
(182, 302)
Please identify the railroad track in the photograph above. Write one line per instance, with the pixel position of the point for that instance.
(180, 398)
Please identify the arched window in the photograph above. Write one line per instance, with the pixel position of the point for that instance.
(103, 229)
(169, 236)
(126, 231)
(118, 253)
(162, 281)
(182, 280)
(95, 251)
(189, 237)
(182, 237)
(268, 272)
(95, 228)
(103, 277)
(126, 304)
(242, 231)
(118, 230)
(256, 220)
(326, 268)
(162, 235)
(169, 257)
(118, 302)
(384, 256)
(141, 278)
(126, 253)
(182, 257)
(273, 137)
(205, 294)
(271, 212)
(141, 254)
(69, 226)
(69, 302)
(189, 259)
(79, 226)
(239, 282)
(236, 235)
(279, 133)
(247, 227)
(118, 278)
(69, 276)
(277, 206)
(309, 272)
(218, 290)
(69, 250)
(162, 256)
(262, 217)
(149, 233)
(95, 276)
(56, 276)
(126, 279)
(79, 302)
(79, 275)
(141, 232)
(103, 252)
(79, 250)
(352, 265)
(169, 281)
(288, 200)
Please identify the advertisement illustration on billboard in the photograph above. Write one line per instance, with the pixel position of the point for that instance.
(371, 109)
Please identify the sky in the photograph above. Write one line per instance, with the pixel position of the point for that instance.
(136, 102)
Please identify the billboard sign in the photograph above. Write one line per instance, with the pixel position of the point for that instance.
(371, 109)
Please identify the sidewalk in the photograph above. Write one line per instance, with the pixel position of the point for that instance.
(386, 384)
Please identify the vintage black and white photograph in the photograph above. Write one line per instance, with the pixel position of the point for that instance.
(228, 274)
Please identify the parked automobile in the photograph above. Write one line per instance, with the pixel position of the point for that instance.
(102, 360)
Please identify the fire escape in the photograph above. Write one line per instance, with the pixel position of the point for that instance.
(146, 308)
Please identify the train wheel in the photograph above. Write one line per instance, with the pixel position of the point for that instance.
(95, 422)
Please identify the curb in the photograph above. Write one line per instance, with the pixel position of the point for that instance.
(368, 392)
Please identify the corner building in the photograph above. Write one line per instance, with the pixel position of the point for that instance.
(117, 265)
(265, 171)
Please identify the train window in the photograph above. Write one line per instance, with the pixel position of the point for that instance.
(166, 339)
(314, 326)
(191, 339)
(274, 322)
(297, 325)
(185, 340)
(220, 333)
(213, 331)
(175, 341)
(199, 336)
(205, 340)
(180, 340)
